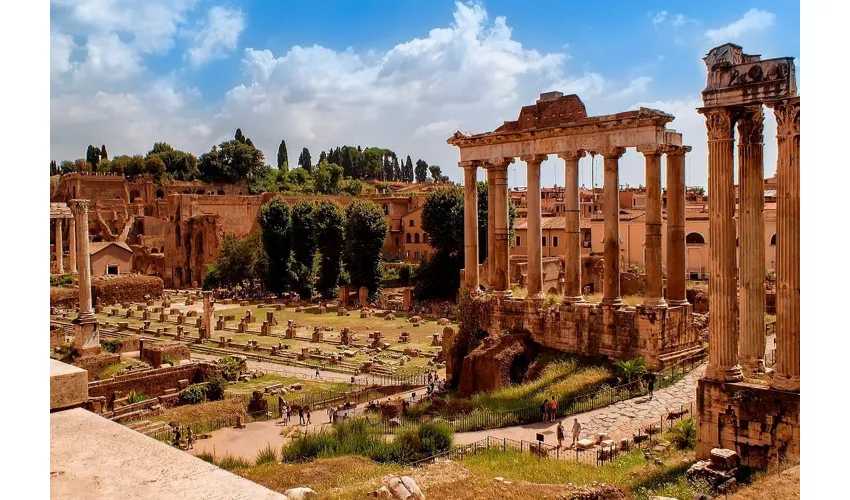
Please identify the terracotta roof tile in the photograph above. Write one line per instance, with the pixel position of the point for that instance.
(97, 246)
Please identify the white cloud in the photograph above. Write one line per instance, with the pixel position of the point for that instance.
(659, 18)
(753, 20)
(61, 47)
(217, 37)
(442, 128)
(636, 86)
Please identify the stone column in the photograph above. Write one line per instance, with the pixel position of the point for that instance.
(676, 295)
(572, 207)
(751, 237)
(86, 332)
(491, 224)
(72, 244)
(786, 374)
(722, 296)
(501, 252)
(470, 222)
(535, 232)
(654, 279)
(611, 249)
(208, 310)
(57, 227)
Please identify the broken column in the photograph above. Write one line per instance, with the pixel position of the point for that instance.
(363, 295)
(207, 323)
(86, 332)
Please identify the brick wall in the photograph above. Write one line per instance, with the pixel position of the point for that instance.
(152, 382)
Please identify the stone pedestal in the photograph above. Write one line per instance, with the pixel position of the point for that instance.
(86, 336)
(363, 296)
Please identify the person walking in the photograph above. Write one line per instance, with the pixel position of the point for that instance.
(544, 409)
(281, 406)
(300, 415)
(576, 431)
(288, 413)
(560, 434)
(317, 372)
(308, 416)
(176, 437)
(189, 438)
(651, 381)
(331, 414)
(554, 409)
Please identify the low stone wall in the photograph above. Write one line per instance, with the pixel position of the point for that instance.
(64, 296)
(126, 289)
(94, 364)
(756, 421)
(152, 382)
(154, 353)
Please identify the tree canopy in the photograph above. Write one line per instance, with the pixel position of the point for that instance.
(275, 223)
(365, 231)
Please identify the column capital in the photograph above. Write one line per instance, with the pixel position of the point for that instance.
(473, 164)
(572, 155)
(612, 153)
(751, 125)
(80, 207)
(787, 113)
(651, 149)
(538, 159)
(672, 150)
(497, 163)
(720, 123)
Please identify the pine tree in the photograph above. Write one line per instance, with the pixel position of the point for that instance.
(323, 157)
(421, 171)
(304, 161)
(103, 154)
(92, 156)
(239, 136)
(282, 156)
(396, 168)
(407, 174)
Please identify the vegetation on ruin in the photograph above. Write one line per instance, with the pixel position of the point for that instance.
(629, 370)
(232, 366)
(629, 300)
(684, 434)
(64, 280)
(213, 389)
(308, 387)
(136, 397)
(365, 231)
(193, 394)
(114, 368)
(228, 408)
(111, 345)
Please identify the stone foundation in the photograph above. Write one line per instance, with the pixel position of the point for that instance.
(756, 421)
(156, 352)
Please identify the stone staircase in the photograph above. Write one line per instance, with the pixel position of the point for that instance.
(147, 427)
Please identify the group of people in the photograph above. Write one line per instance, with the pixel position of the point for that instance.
(576, 433)
(549, 409)
(285, 411)
(190, 439)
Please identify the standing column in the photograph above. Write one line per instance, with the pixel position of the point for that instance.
(676, 295)
(499, 169)
(722, 289)
(535, 233)
(57, 235)
(751, 236)
(654, 280)
(470, 222)
(611, 249)
(491, 224)
(572, 253)
(86, 334)
(72, 244)
(786, 374)
(207, 314)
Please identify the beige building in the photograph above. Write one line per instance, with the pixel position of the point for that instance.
(109, 258)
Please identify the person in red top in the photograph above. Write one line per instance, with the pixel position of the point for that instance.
(554, 408)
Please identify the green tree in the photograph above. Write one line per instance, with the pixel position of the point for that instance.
(442, 219)
(483, 194)
(353, 188)
(327, 178)
(436, 173)
(365, 231)
(304, 160)
(241, 262)
(239, 136)
(103, 154)
(282, 156)
(396, 169)
(421, 171)
(155, 167)
(180, 165)
(92, 156)
(54, 168)
(304, 246)
(276, 226)
(67, 167)
(329, 217)
(323, 158)
(230, 162)
(407, 172)
(629, 370)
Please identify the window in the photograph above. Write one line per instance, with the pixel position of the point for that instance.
(695, 239)
(386, 210)
(396, 241)
(411, 223)
(416, 238)
(407, 237)
(554, 241)
(517, 241)
(112, 269)
(416, 255)
(773, 240)
(544, 241)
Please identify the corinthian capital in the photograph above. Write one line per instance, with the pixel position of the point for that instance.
(671, 150)
(719, 123)
(787, 113)
(751, 126)
(613, 153)
(80, 207)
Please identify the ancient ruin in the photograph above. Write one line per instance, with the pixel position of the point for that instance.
(742, 406)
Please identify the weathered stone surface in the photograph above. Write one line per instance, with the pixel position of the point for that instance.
(68, 385)
(495, 362)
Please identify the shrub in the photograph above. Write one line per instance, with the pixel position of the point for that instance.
(231, 366)
(64, 280)
(136, 397)
(309, 447)
(684, 434)
(215, 387)
(229, 462)
(112, 345)
(551, 300)
(405, 274)
(629, 369)
(206, 457)
(169, 360)
(192, 394)
(267, 455)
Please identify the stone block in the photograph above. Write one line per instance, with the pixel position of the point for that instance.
(68, 385)
(584, 444)
(723, 459)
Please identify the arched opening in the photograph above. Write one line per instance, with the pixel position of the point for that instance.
(160, 194)
(695, 239)
(773, 239)
(199, 191)
(407, 237)
(416, 238)
(154, 250)
(221, 191)
(519, 366)
(386, 210)
(134, 194)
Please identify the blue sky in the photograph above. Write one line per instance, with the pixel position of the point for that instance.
(401, 75)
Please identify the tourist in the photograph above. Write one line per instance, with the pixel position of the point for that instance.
(189, 439)
(281, 406)
(576, 431)
(544, 409)
(331, 414)
(176, 437)
(300, 415)
(554, 406)
(651, 381)
(308, 416)
(288, 413)
(317, 371)
(560, 434)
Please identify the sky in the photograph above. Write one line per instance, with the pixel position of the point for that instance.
(399, 75)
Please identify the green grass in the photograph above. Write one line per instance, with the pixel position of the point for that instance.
(113, 369)
(307, 386)
(629, 300)
(267, 455)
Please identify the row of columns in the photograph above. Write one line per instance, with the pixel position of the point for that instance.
(72, 245)
(736, 330)
(497, 234)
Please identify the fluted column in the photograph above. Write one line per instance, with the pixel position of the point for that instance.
(786, 374)
(72, 244)
(676, 295)
(611, 212)
(491, 225)
(572, 252)
(499, 194)
(751, 237)
(535, 233)
(470, 222)
(722, 291)
(654, 279)
(86, 333)
(57, 235)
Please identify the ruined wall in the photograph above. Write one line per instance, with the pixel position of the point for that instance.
(153, 382)
(125, 289)
(756, 421)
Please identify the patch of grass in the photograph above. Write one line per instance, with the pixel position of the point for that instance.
(202, 413)
(267, 455)
(136, 397)
(307, 386)
(229, 462)
(113, 369)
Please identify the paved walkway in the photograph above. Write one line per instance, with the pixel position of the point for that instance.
(618, 420)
